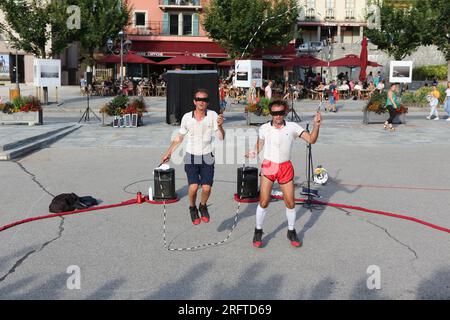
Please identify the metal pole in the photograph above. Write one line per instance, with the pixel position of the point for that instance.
(121, 60)
(17, 73)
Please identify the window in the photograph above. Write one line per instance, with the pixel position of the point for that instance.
(173, 24)
(349, 4)
(187, 24)
(330, 4)
(139, 19)
(310, 3)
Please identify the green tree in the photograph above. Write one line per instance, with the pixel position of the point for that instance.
(441, 34)
(245, 26)
(100, 20)
(34, 25)
(400, 32)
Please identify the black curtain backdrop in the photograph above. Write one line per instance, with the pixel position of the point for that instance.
(181, 86)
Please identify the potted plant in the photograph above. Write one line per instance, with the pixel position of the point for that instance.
(121, 106)
(258, 113)
(22, 110)
(375, 110)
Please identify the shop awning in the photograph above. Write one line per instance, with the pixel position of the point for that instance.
(130, 57)
(185, 60)
(177, 48)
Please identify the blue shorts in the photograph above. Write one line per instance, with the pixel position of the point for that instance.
(331, 99)
(199, 169)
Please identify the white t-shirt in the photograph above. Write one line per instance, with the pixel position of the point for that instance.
(278, 142)
(447, 92)
(199, 133)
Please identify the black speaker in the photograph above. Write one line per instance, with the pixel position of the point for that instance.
(181, 86)
(164, 184)
(247, 182)
(89, 78)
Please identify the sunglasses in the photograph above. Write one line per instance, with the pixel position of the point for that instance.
(277, 113)
(201, 99)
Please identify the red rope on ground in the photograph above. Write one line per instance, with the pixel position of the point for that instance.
(125, 203)
(384, 213)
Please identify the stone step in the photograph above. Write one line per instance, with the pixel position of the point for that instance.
(35, 144)
(28, 140)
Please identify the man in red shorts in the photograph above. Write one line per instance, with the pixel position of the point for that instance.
(276, 138)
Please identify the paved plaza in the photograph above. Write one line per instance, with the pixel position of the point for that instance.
(120, 252)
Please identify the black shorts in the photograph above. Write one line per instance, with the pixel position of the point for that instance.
(199, 169)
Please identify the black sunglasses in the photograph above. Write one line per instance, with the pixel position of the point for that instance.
(278, 113)
(201, 99)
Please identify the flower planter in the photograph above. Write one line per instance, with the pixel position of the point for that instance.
(31, 118)
(373, 117)
(254, 119)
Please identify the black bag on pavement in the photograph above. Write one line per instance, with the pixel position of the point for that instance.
(69, 202)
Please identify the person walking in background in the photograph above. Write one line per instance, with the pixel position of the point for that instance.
(268, 90)
(392, 105)
(251, 94)
(222, 94)
(447, 101)
(332, 97)
(433, 98)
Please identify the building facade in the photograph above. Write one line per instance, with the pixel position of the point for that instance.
(167, 28)
(337, 21)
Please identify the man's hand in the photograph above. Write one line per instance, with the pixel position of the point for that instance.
(165, 158)
(317, 119)
(250, 154)
(220, 120)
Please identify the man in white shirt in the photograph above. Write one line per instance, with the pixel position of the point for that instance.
(276, 138)
(268, 90)
(198, 126)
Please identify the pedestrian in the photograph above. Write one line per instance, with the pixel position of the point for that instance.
(433, 100)
(276, 139)
(222, 95)
(198, 126)
(447, 101)
(251, 94)
(392, 105)
(332, 97)
(268, 90)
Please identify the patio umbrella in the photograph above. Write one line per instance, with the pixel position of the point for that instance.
(351, 61)
(183, 60)
(130, 57)
(304, 61)
(364, 60)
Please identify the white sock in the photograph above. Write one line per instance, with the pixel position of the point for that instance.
(291, 216)
(260, 215)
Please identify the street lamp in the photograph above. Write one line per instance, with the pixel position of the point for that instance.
(124, 47)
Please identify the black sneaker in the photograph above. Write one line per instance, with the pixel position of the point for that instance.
(257, 238)
(204, 212)
(292, 236)
(194, 215)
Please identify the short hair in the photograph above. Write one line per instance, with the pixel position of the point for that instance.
(201, 90)
(278, 103)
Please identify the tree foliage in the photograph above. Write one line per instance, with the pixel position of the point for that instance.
(100, 20)
(33, 25)
(258, 24)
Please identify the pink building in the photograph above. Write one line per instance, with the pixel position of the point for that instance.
(167, 28)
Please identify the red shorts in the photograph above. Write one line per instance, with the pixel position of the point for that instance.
(281, 172)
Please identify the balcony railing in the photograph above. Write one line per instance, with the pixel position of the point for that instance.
(158, 28)
(329, 13)
(310, 13)
(349, 14)
(180, 3)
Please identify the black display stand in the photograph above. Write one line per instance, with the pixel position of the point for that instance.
(181, 86)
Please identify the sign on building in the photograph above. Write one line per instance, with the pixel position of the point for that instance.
(4, 66)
